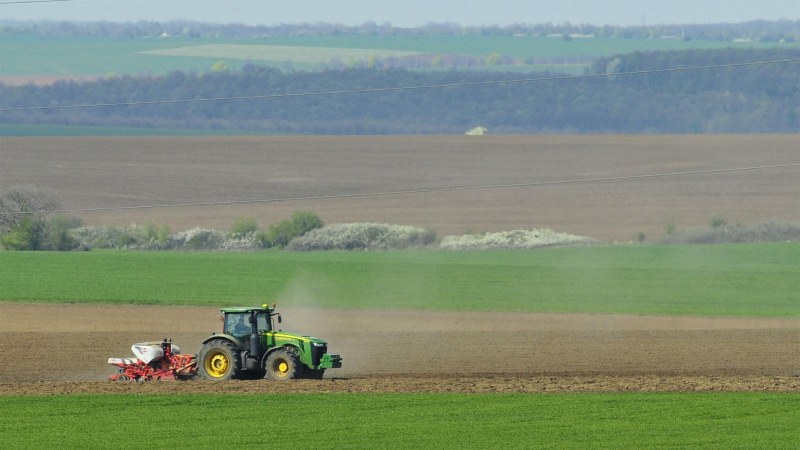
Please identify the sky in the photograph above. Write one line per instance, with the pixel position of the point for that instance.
(409, 13)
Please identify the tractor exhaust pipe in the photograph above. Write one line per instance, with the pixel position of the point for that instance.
(255, 342)
(255, 346)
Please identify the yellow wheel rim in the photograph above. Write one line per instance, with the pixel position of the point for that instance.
(283, 368)
(217, 364)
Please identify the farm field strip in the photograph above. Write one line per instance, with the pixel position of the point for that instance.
(129, 171)
(427, 348)
(75, 56)
(711, 280)
(409, 420)
(318, 55)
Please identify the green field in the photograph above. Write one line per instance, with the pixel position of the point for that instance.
(708, 280)
(39, 55)
(718, 280)
(293, 53)
(675, 420)
(517, 47)
(16, 130)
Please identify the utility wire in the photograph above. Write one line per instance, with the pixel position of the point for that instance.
(22, 2)
(400, 88)
(413, 191)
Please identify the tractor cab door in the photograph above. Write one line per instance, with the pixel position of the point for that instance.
(263, 322)
(237, 325)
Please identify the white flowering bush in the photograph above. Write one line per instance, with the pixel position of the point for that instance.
(351, 236)
(516, 239)
(135, 237)
(131, 237)
(198, 239)
(363, 236)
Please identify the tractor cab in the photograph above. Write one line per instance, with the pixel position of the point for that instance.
(244, 322)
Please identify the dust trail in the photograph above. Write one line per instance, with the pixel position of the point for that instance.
(60, 344)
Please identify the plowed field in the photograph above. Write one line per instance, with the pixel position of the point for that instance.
(113, 172)
(64, 348)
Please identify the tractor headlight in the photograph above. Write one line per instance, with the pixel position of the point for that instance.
(317, 344)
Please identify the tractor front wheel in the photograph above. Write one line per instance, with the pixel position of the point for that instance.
(283, 365)
(218, 360)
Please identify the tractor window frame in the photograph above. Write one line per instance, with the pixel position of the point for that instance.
(264, 321)
(230, 321)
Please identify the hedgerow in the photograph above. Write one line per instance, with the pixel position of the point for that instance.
(363, 236)
(516, 239)
(722, 232)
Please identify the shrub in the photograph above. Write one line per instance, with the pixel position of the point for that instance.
(243, 226)
(56, 233)
(150, 234)
(37, 233)
(23, 236)
(516, 239)
(766, 232)
(363, 236)
(103, 237)
(262, 239)
(151, 237)
(24, 226)
(717, 221)
(280, 234)
(200, 239)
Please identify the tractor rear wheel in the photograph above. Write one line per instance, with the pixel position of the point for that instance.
(218, 360)
(283, 365)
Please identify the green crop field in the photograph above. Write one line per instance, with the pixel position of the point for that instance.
(711, 280)
(11, 130)
(26, 55)
(75, 56)
(518, 47)
(295, 54)
(675, 420)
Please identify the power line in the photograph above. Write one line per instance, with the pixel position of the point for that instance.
(413, 191)
(400, 88)
(22, 2)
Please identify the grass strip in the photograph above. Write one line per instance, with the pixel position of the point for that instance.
(625, 420)
(712, 280)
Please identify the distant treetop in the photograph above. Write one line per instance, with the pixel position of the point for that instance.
(759, 30)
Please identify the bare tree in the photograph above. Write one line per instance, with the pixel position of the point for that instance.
(21, 201)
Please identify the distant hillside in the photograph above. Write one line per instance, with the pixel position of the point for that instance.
(761, 99)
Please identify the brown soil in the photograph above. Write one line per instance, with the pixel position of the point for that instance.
(98, 172)
(54, 349)
(49, 349)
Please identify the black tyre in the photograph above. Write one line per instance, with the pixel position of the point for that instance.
(218, 360)
(283, 365)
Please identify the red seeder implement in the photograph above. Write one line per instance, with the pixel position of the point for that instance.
(154, 361)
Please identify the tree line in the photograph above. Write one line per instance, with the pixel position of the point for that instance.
(758, 30)
(757, 99)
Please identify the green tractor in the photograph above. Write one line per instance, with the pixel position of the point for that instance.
(250, 348)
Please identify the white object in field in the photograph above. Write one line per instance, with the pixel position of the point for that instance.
(151, 351)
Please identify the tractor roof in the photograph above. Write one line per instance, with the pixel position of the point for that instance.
(244, 309)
